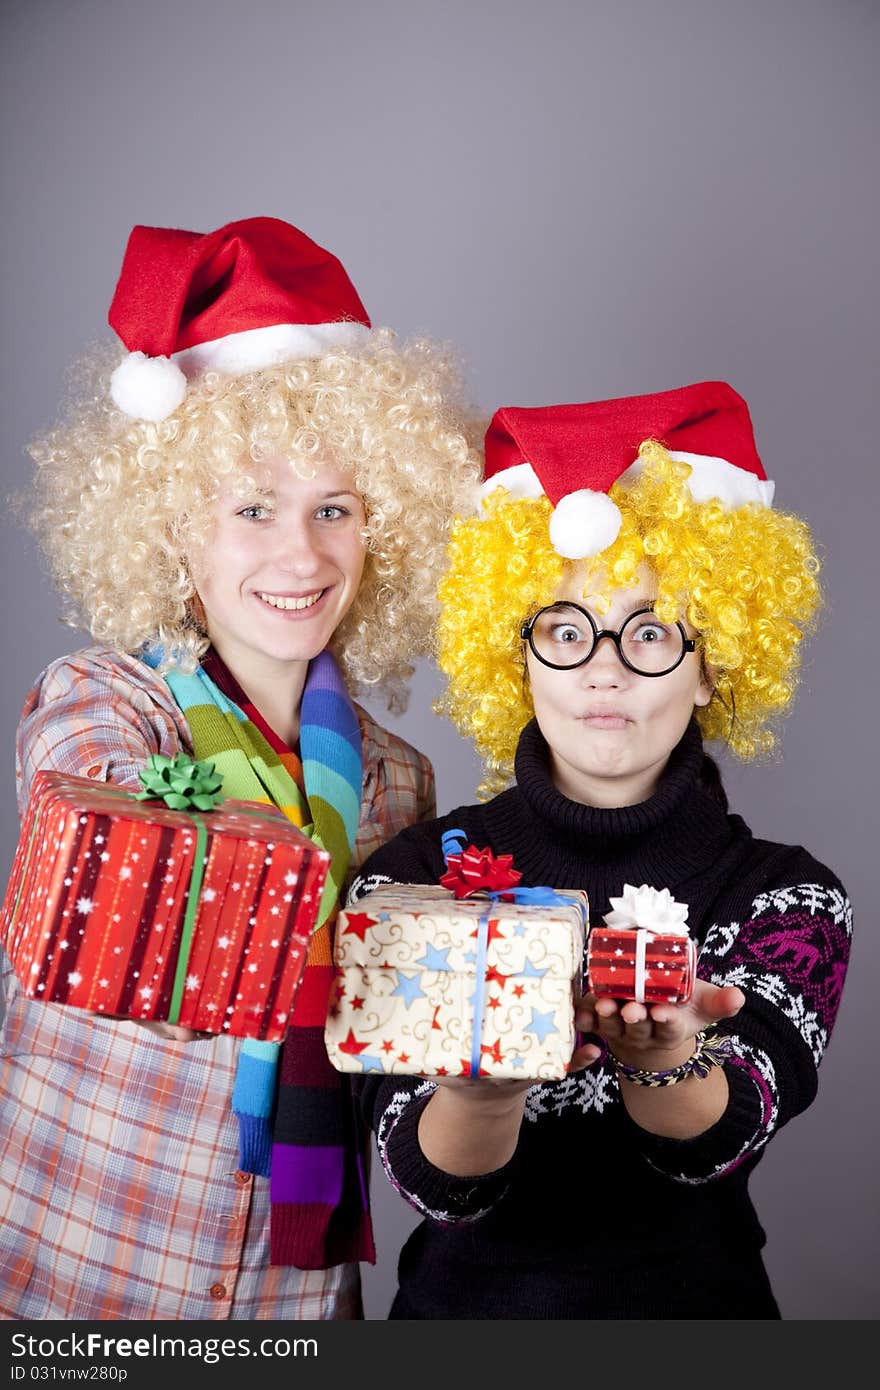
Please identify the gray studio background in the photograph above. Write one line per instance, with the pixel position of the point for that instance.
(591, 199)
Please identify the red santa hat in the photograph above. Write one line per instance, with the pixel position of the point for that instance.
(572, 454)
(251, 294)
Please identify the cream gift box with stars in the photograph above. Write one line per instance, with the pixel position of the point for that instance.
(430, 986)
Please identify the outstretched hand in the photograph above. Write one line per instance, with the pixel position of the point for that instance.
(175, 1032)
(639, 1034)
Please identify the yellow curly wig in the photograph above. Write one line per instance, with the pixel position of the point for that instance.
(745, 578)
(119, 501)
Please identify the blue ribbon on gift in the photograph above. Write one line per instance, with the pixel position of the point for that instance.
(453, 842)
(479, 992)
(533, 897)
(526, 897)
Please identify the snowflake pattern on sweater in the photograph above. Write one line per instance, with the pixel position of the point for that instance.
(792, 952)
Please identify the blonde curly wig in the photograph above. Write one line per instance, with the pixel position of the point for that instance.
(745, 578)
(120, 501)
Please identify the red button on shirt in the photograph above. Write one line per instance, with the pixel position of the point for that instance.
(242, 1179)
(218, 1290)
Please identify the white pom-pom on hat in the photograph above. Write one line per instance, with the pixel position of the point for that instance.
(584, 523)
(148, 388)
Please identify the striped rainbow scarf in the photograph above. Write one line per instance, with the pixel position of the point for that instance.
(312, 1151)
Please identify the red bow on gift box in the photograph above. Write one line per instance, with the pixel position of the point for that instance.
(474, 870)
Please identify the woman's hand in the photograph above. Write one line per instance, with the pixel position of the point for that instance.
(659, 1037)
(655, 1036)
(174, 1032)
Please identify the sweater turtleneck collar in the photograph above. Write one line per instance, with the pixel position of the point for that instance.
(680, 778)
(674, 836)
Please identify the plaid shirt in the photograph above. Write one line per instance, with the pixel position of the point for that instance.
(120, 1195)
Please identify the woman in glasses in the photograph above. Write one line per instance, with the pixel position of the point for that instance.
(618, 601)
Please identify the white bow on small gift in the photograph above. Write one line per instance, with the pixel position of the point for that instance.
(653, 908)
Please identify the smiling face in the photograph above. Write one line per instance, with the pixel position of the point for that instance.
(610, 731)
(281, 567)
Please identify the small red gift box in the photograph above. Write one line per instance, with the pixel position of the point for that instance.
(98, 913)
(643, 952)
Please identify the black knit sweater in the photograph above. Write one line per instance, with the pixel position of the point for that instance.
(594, 1217)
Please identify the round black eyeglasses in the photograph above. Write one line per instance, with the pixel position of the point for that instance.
(564, 635)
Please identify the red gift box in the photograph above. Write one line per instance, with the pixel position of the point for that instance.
(643, 951)
(97, 913)
(636, 963)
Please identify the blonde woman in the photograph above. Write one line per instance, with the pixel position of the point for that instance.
(249, 513)
(611, 608)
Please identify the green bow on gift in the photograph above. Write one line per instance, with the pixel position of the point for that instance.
(182, 782)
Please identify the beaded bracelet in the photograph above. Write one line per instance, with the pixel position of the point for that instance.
(710, 1051)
